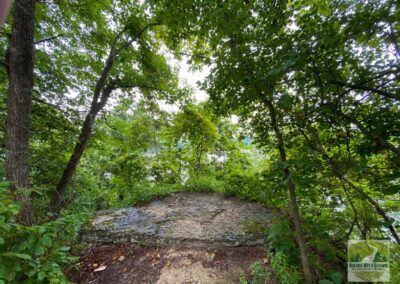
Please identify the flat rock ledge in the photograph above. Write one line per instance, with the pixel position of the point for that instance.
(186, 219)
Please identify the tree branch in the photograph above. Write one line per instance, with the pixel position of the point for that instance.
(138, 34)
(367, 88)
(49, 38)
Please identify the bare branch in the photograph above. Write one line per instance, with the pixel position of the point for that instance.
(49, 38)
(367, 88)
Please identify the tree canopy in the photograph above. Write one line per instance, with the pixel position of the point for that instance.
(315, 86)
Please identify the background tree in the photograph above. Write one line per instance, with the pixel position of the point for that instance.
(129, 47)
(20, 72)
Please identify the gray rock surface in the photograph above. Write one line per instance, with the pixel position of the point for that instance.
(183, 218)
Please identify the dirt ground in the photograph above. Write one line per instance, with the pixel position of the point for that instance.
(133, 263)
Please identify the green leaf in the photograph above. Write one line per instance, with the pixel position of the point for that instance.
(46, 240)
(65, 248)
(326, 282)
(337, 277)
(17, 255)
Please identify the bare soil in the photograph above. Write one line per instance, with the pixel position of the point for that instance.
(132, 263)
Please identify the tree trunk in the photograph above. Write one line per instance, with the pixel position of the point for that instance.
(101, 94)
(57, 202)
(19, 104)
(292, 194)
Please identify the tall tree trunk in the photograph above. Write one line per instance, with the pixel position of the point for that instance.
(101, 94)
(292, 194)
(19, 104)
(57, 201)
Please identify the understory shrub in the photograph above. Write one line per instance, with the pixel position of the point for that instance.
(283, 252)
(38, 253)
(204, 184)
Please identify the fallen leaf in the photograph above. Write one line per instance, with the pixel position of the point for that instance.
(101, 268)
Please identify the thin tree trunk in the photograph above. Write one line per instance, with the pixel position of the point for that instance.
(363, 233)
(101, 94)
(292, 194)
(21, 53)
(57, 202)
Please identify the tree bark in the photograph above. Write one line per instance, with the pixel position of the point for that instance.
(101, 94)
(21, 52)
(57, 202)
(292, 194)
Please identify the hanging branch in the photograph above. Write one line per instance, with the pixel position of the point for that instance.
(342, 176)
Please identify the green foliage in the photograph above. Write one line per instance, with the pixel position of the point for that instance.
(34, 254)
(204, 184)
(334, 278)
(283, 252)
(395, 264)
(281, 239)
(330, 68)
(286, 273)
(258, 274)
(146, 192)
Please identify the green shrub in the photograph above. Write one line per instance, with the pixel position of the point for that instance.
(283, 252)
(395, 264)
(146, 192)
(34, 254)
(285, 273)
(258, 274)
(204, 184)
(281, 239)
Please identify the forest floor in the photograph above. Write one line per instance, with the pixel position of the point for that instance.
(132, 263)
(185, 238)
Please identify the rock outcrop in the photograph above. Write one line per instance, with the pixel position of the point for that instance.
(184, 218)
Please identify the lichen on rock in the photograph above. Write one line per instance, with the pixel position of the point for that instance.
(184, 218)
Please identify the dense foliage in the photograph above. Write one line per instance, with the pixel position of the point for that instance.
(318, 80)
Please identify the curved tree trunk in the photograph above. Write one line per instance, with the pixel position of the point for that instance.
(20, 63)
(292, 194)
(57, 201)
(101, 94)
